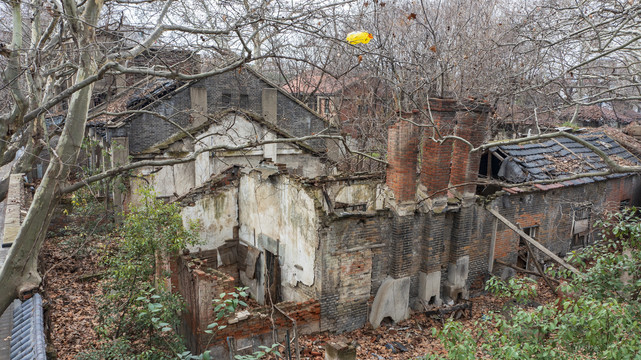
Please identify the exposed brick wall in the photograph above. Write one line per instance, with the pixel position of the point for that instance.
(361, 251)
(472, 126)
(263, 320)
(434, 239)
(404, 253)
(402, 156)
(550, 211)
(436, 158)
(199, 283)
(355, 262)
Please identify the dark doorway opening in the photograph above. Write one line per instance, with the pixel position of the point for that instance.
(272, 279)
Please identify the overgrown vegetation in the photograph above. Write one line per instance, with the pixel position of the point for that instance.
(596, 317)
(139, 314)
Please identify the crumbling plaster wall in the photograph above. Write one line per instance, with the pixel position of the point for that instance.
(342, 256)
(277, 211)
(217, 214)
(355, 194)
(231, 130)
(167, 181)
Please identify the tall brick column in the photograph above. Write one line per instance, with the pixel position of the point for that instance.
(402, 156)
(436, 159)
(472, 126)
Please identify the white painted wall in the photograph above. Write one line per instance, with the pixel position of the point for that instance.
(217, 213)
(354, 194)
(279, 209)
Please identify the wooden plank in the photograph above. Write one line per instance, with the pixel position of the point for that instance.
(535, 243)
(495, 224)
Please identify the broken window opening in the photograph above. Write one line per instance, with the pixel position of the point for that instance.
(579, 241)
(581, 226)
(350, 207)
(523, 256)
(489, 168)
(243, 101)
(490, 164)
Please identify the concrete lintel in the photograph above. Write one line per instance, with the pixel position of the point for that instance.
(400, 208)
(436, 203)
(12, 214)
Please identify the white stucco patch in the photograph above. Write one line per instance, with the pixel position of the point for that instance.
(356, 194)
(279, 209)
(217, 214)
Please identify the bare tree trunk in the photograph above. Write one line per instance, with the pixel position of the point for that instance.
(19, 274)
(10, 77)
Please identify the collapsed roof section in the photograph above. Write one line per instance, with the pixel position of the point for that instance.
(556, 159)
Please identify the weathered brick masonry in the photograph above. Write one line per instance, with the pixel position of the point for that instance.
(436, 158)
(471, 126)
(200, 282)
(354, 264)
(402, 156)
(360, 251)
(439, 246)
(551, 213)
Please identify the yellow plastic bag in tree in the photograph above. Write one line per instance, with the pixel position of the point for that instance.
(359, 37)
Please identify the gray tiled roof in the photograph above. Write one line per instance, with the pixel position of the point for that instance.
(27, 336)
(563, 157)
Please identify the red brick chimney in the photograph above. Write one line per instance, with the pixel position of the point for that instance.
(436, 160)
(471, 126)
(402, 156)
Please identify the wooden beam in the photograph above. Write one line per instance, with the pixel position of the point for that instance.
(535, 243)
(538, 267)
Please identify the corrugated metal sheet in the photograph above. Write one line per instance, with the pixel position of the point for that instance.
(6, 320)
(28, 336)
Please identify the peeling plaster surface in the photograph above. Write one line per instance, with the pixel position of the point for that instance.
(217, 214)
(163, 181)
(278, 208)
(183, 178)
(169, 181)
(356, 194)
(235, 130)
(232, 130)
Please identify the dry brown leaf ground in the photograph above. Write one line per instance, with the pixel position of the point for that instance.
(70, 291)
(415, 333)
